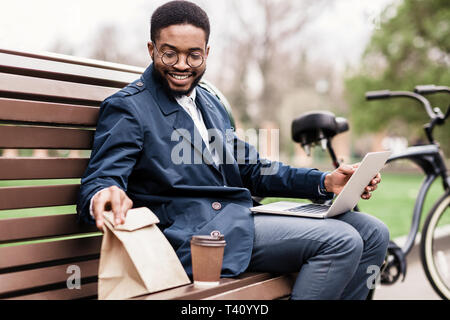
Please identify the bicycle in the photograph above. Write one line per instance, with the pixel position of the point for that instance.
(431, 161)
(316, 128)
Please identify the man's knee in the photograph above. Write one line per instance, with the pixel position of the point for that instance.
(374, 232)
(351, 243)
(377, 238)
(382, 236)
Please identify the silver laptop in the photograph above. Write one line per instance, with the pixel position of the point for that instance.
(372, 163)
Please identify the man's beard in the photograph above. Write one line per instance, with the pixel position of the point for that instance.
(158, 74)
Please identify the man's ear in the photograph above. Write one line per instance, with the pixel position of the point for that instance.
(151, 49)
(207, 51)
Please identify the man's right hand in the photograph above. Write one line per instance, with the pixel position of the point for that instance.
(111, 199)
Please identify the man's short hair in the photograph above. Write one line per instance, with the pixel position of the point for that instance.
(178, 12)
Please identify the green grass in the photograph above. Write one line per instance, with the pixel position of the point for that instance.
(393, 201)
(76, 236)
(19, 183)
(32, 212)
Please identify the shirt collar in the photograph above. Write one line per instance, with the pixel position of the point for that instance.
(192, 96)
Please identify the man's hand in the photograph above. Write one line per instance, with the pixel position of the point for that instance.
(335, 181)
(112, 198)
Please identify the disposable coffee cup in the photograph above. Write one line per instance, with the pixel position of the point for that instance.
(207, 257)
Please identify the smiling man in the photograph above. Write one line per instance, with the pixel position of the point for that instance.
(132, 165)
(179, 68)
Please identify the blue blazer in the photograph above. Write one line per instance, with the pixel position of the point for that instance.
(138, 130)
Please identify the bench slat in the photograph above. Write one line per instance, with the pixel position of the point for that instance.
(87, 291)
(19, 168)
(39, 88)
(271, 289)
(22, 255)
(190, 292)
(12, 137)
(74, 60)
(38, 196)
(21, 229)
(47, 112)
(22, 280)
(56, 70)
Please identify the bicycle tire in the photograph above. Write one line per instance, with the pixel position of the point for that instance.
(426, 246)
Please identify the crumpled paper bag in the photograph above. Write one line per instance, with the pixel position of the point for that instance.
(136, 258)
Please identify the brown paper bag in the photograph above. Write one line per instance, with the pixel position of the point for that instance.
(136, 258)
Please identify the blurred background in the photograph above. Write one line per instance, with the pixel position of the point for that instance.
(277, 59)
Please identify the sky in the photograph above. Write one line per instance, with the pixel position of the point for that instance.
(339, 34)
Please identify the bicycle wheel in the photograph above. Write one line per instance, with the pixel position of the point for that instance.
(435, 246)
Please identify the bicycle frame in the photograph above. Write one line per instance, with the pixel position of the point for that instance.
(429, 158)
(431, 161)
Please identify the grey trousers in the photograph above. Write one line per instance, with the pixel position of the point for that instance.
(334, 257)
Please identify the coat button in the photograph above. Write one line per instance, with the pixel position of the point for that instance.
(216, 206)
(139, 84)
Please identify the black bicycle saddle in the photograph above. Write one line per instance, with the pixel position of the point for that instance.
(312, 127)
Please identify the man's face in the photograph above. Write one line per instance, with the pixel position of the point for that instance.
(184, 39)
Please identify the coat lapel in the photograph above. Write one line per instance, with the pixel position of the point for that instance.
(212, 121)
(183, 123)
(210, 115)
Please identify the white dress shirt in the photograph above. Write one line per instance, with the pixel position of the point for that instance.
(188, 104)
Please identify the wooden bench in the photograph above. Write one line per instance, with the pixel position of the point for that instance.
(51, 102)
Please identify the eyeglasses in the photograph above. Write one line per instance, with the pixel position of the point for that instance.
(170, 58)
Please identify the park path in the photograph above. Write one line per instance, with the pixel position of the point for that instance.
(415, 287)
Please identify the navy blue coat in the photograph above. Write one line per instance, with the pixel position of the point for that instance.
(132, 150)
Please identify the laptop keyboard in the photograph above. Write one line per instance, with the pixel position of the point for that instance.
(310, 208)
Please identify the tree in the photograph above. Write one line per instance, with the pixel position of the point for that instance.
(267, 40)
(106, 46)
(411, 47)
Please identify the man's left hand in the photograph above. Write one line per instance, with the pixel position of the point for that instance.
(336, 180)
